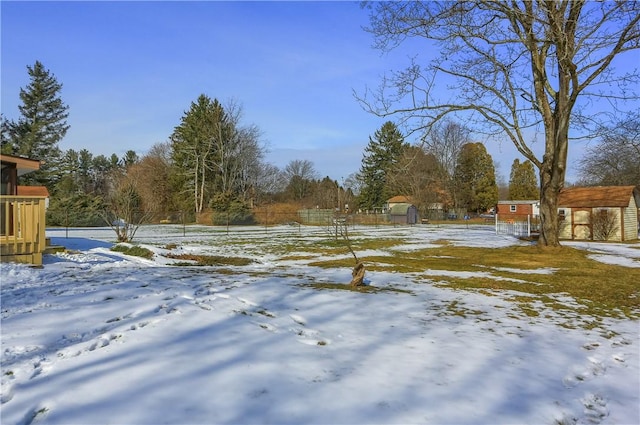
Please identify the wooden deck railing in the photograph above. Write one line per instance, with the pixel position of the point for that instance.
(22, 228)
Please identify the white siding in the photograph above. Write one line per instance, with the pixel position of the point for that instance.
(565, 225)
(631, 221)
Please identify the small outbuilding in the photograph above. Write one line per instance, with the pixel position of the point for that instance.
(518, 210)
(607, 213)
(403, 213)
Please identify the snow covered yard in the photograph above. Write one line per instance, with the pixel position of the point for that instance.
(98, 337)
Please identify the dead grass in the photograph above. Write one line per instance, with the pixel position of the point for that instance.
(209, 260)
(602, 289)
(347, 287)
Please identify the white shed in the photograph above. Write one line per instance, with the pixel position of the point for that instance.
(599, 213)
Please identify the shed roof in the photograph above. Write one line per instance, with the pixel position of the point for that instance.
(400, 209)
(400, 199)
(520, 202)
(597, 196)
(33, 191)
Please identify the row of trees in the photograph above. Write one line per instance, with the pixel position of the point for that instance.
(445, 168)
(210, 162)
(214, 162)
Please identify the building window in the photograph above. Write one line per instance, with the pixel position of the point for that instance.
(561, 214)
(513, 208)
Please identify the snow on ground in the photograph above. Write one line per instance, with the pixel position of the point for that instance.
(97, 337)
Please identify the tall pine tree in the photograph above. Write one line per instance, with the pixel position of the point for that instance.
(195, 143)
(475, 178)
(382, 152)
(42, 124)
(523, 184)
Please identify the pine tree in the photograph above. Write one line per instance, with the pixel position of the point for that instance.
(523, 184)
(475, 178)
(42, 124)
(195, 143)
(382, 152)
(5, 138)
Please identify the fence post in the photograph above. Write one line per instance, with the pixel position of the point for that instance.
(496, 224)
(528, 225)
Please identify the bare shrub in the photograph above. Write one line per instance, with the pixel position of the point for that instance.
(604, 224)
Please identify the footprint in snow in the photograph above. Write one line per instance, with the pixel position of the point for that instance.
(40, 367)
(595, 408)
(620, 342)
(595, 367)
(6, 393)
(298, 319)
(104, 341)
(268, 327)
(35, 415)
(620, 358)
(247, 302)
(591, 346)
(310, 337)
(139, 325)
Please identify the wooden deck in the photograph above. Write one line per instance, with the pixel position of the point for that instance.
(22, 229)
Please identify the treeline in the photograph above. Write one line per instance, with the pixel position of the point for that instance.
(212, 168)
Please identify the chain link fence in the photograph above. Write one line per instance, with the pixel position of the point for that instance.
(258, 216)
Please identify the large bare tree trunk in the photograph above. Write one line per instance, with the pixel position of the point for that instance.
(550, 186)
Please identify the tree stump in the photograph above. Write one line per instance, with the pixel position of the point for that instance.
(358, 275)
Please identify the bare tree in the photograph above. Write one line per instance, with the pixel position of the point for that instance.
(300, 173)
(615, 160)
(510, 67)
(444, 141)
(269, 180)
(152, 177)
(603, 223)
(124, 209)
(237, 153)
(418, 175)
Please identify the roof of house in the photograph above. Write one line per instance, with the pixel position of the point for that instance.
(400, 199)
(597, 196)
(33, 191)
(520, 202)
(23, 165)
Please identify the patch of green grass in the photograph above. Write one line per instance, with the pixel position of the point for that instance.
(209, 260)
(135, 250)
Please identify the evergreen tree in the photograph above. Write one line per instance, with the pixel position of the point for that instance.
(382, 152)
(196, 142)
(42, 124)
(523, 184)
(130, 157)
(5, 138)
(475, 178)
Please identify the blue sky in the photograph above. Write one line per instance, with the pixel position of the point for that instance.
(130, 69)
